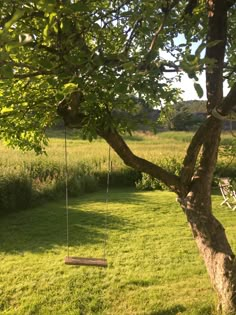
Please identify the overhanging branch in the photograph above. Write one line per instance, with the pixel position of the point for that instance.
(190, 159)
(140, 164)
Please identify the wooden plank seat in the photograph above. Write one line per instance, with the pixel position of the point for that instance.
(82, 261)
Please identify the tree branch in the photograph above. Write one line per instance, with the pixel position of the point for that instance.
(157, 33)
(191, 5)
(207, 136)
(70, 110)
(140, 164)
(217, 31)
(109, 13)
(166, 11)
(194, 148)
(228, 103)
(132, 35)
(205, 171)
(190, 159)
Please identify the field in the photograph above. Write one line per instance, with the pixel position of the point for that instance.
(154, 267)
(154, 147)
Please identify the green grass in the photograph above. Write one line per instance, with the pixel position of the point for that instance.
(95, 153)
(154, 266)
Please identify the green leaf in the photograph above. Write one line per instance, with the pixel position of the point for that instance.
(3, 55)
(200, 48)
(45, 63)
(46, 31)
(17, 15)
(214, 43)
(79, 7)
(48, 6)
(128, 65)
(70, 88)
(6, 72)
(198, 89)
(51, 17)
(11, 46)
(6, 110)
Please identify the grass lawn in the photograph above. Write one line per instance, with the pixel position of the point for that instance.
(154, 266)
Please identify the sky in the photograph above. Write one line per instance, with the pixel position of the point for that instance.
(189, 92)
(187, 84)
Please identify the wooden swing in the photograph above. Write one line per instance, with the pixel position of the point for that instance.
(85, 261)
(82, 261)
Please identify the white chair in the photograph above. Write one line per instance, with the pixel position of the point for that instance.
(228, 193)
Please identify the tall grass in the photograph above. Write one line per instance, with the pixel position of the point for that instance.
(26, 179)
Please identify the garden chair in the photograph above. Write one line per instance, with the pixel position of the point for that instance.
(228, 193)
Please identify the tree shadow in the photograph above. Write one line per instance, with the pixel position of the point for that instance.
(141, 283)
(43, 228)
(177, 309)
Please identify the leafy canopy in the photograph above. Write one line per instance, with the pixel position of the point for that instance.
(108, 50)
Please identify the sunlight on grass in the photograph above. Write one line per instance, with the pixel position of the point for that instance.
(154, 266)
(151, 146)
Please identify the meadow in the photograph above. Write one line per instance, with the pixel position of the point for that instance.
(153, 264)
(27, 180)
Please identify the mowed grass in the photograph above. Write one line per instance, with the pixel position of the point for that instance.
(154, 266)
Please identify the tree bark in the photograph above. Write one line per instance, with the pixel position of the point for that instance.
(213, 246)
(207, 230)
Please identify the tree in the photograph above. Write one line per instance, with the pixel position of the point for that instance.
(85, 59)
(187, 115)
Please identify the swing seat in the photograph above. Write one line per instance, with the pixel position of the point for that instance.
(81, 261)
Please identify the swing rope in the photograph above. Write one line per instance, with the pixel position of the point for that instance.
(109, 167)
(80, 260)
(66, 192)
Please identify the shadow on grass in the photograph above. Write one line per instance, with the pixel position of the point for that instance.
(41, 229)
(141, 283)
(177, 309)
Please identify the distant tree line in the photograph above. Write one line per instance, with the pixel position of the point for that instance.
(188, 115)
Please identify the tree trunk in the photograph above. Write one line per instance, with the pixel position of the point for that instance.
(213, 246)
(208, 232)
